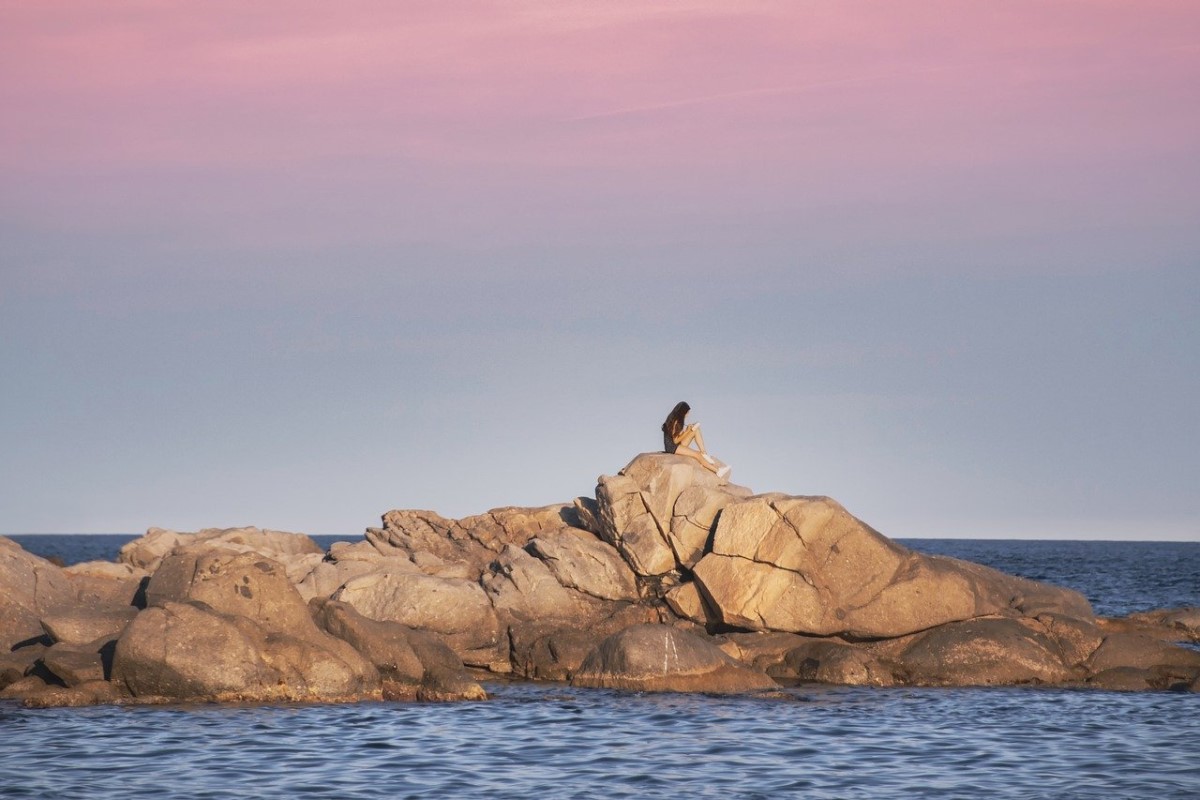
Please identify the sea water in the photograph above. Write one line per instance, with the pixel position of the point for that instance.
(555, 741)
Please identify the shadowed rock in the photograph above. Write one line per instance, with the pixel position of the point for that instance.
(412, 664)
(555, 649)
(1142, 652)
(659, 658)
(76, 664)
(80, 626)
(29, 588)
(1167, 624)
(105, 584)
(984, 652)
(832, 661)
(688, 603)
(458, 610)
(384, 644)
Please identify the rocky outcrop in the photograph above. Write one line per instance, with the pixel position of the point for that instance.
(670, 579)
(659, 509)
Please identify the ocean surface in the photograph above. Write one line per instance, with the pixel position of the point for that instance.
(555, 741)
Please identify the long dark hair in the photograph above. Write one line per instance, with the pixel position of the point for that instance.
(674, 423)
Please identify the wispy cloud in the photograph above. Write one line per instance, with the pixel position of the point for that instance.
(761, 92)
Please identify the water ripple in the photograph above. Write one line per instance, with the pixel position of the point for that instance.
(555, 741)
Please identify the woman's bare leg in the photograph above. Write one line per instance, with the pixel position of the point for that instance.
(684, 450)
(692, 434)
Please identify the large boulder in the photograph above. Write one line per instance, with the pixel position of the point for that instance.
(659, 509)
(580, 561)
(832, 661)
(243, 584)
(660, 658)
(805, 565)
(458, 610)
(249, 602)
(30, 586)
(189, 651)
(411, 663)
(979, 652)
(521, 586)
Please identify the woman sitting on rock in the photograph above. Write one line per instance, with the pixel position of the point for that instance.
(678, 438)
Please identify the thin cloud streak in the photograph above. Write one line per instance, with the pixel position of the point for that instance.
(775, 90)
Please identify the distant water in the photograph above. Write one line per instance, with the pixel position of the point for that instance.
(554, 741)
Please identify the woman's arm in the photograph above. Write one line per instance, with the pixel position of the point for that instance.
(687, 433)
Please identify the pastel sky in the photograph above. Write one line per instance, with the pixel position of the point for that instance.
(294, 264)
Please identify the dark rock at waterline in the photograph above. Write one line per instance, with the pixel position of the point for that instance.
(411, 663)
(832, 661)
(662, 658)
(984, 652)
(76, 664)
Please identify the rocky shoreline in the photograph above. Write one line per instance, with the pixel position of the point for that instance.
(668, 579)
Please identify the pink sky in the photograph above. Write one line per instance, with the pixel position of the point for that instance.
(262, 121)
